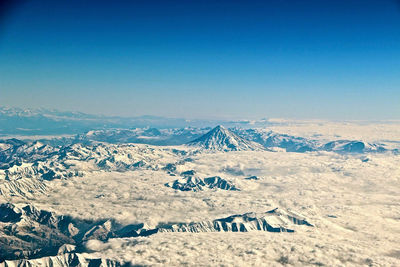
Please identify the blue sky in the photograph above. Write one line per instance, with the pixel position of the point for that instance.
(204, 59)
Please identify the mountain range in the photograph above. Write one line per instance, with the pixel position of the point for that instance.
(25, 164)
(216, 169)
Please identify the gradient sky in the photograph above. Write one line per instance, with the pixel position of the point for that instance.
(204, 59)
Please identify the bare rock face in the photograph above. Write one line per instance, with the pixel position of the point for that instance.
(253, 177)
(188, 183)
(100, 231)
(27, 232)
(135, 230)
(218, 182)
(195, 184)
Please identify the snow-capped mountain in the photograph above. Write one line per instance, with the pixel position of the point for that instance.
(222, 139)
(289, 143)
(270, 139)
(348, 146)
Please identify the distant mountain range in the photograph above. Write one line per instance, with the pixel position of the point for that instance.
(17, 121)
(223, 139)
(151, 136)
(85, 129)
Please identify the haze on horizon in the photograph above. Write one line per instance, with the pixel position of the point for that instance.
(204, 59)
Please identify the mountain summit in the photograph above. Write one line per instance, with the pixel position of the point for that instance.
(221, 139)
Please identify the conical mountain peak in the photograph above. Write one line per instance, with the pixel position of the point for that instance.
(219, 128)
(222, 139)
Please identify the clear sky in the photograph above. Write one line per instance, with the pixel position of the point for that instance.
(204, 59)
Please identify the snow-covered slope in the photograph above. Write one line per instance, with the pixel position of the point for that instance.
(35, 160)
(289, 143)
(67, 259)
(347, 146)
(221, 139)
(270, 139)
(24, 187)
(25, 165)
